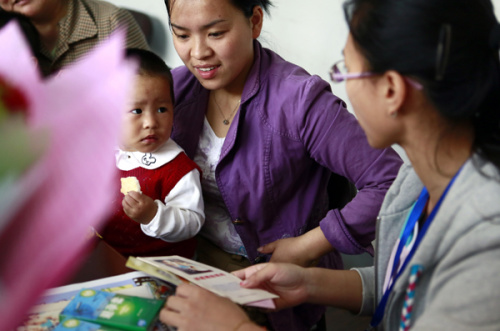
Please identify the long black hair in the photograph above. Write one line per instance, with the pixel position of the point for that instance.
(450, 46)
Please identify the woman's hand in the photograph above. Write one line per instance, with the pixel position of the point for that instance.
(289, 250)
(139, 207)
(194, 308)
(304, 250)
(286, 280)
(296, 285)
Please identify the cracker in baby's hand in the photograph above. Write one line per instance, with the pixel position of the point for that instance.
(130, 184)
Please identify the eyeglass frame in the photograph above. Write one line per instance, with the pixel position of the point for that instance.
(337, 76)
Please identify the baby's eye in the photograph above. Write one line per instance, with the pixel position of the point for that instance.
(136, 111)
(162, 110)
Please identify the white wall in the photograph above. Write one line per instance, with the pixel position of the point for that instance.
(157, 11)
(308, 33)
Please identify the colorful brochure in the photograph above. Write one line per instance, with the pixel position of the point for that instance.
(45, 315)
(117, 311)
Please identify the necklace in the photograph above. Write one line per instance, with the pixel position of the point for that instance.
(226, 120)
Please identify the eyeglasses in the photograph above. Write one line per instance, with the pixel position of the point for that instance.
(339, 73)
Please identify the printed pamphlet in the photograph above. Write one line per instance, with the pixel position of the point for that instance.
(176, 269)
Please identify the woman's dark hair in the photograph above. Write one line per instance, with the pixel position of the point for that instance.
(450, 46)
(151, 64)
(246, 6)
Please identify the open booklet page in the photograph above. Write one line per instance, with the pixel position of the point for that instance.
(208, 277)
(45, 315)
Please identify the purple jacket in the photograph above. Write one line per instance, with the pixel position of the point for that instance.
(290, 133)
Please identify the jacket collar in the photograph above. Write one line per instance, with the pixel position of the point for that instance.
(77, 25)
(250, 89)
(252, 84)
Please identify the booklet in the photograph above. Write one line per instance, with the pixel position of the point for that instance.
(177, 269)
(117, 311)
(44, 316)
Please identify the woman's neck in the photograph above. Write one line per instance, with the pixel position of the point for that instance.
(48, 24)
(437, 151)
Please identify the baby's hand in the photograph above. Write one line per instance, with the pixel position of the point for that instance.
(139, 207)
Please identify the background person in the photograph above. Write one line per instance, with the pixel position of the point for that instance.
(70, 28)
(267, 136)
(424, 74)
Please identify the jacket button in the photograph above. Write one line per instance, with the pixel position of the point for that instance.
(238, 221)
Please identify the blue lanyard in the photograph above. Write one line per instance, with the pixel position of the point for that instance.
(413, 218)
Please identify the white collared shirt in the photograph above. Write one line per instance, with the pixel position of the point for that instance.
(181, 215)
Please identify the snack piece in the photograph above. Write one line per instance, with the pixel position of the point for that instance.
(130, 184)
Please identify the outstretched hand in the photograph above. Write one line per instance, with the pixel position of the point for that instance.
(286, 280)
(194, 308)
(289, 250)
(304, 250)
(139, 207)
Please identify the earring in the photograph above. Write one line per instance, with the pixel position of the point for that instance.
(394, 114)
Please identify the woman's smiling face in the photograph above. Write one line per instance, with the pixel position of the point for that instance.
(214, 39)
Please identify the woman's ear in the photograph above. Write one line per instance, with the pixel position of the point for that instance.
(256, 21)
(394, 92)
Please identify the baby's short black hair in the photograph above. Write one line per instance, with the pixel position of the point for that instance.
(151, 64)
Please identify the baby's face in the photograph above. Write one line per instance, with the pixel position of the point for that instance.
(147, 122)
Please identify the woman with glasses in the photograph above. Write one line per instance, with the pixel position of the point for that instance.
(424, 74)
(267, 136)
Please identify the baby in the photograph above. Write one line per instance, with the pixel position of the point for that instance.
(168, 212)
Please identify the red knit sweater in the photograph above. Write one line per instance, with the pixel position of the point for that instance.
(125, 235)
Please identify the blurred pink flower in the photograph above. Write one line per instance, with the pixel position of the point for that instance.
(47, 210)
